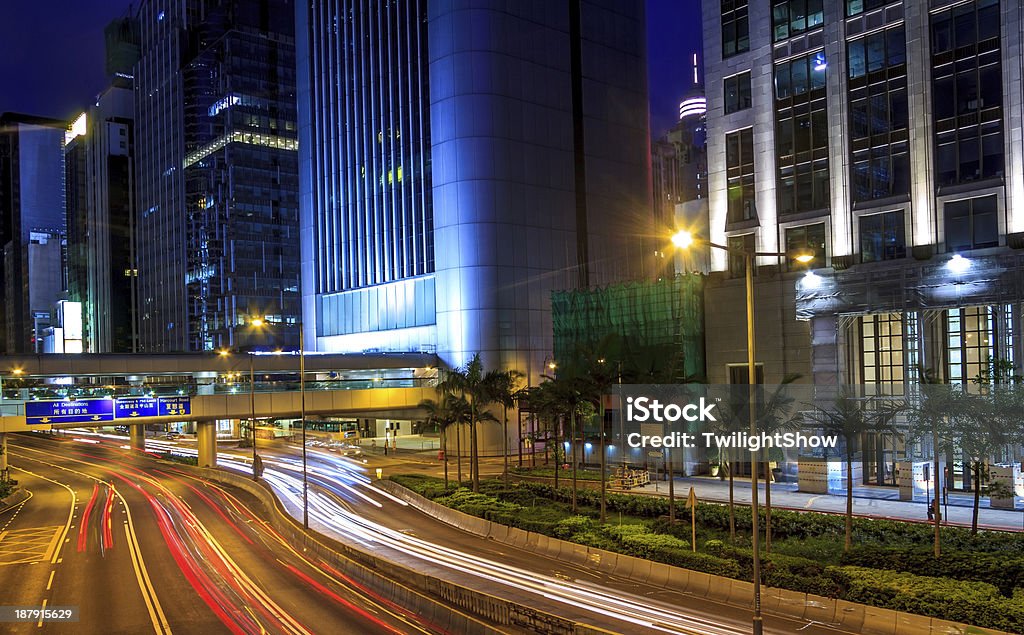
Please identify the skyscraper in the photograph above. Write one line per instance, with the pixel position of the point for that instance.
(217, 227)
(459, 164)
(31, 225)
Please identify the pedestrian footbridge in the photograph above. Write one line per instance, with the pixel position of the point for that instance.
(46, 392)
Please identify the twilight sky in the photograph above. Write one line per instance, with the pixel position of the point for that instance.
(51, 54)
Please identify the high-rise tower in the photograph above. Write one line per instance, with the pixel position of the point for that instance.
(216, 141)
(462, 163)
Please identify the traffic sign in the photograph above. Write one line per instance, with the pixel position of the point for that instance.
(174, 406)
(60, 411)
(132, 407)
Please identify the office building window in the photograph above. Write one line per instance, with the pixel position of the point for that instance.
(737, 92)
(737, 263)
(880, 157)
(882, 237)
(881, 341)
(739, 161)
(735, 27)
(967, 98)
(795, 17)
(856, 7)
(801, 134)
(808, 237)
(974, 336)
(972, 223)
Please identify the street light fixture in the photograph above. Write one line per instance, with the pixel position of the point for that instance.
(683, 240)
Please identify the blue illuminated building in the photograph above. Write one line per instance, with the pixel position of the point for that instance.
(459, 163)
(32, 226)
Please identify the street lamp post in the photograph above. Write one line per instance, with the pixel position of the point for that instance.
(684, 240)
(252, 415)
(258, 322)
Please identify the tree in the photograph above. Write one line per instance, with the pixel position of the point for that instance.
(448, 411)
(734, 419)
(469, 382)
(502, 387)
(849, 417)
(773, 415)
(928, 418)
(567, 393)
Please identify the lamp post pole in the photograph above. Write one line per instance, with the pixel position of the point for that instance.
(252, 415)
(302, 415)
(748, 264)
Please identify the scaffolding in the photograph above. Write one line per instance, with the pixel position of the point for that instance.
(657, 326)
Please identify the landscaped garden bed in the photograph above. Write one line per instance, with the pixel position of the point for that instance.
(978, 580)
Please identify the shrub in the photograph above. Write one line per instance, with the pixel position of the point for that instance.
(571, 526)
(975, 603)
(1005, 573)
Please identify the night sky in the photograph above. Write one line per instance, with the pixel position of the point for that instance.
(51, 54)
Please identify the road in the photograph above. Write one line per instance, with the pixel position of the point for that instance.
(139, 546)
(344, 504)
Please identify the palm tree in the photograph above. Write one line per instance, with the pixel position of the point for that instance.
(928, 416)
(847, 416)
(733, 419)
(983, 425)
(502, 387)
(469, 382)
(773, 416)
(449, 411)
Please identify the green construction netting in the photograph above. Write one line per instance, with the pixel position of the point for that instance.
(655, 330)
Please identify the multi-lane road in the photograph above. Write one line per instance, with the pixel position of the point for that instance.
(138, 546)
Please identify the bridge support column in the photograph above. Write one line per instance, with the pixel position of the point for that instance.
(137, 437)
(3, 457)
(206, 435)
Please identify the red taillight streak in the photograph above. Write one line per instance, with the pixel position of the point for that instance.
(83, 528)
(108, 534)
(340, 600)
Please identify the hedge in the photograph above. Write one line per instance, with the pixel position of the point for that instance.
(1006, 573)
(975, 603)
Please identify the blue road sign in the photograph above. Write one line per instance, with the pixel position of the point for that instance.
(69, 411)
(131, 407)
(173, 406)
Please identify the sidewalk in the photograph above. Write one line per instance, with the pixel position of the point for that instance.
(867, 501)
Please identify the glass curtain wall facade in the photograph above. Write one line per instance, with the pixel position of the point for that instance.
(32, 226)
(217, 163)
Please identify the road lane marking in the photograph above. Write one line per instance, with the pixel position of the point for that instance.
(71, 509)
(27, 546)
(39, 624)
(49, 583)
(156, 612)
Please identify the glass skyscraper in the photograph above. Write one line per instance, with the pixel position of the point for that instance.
(460, 164)
(216, 188)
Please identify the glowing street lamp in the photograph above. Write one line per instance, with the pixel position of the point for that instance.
(684, 240)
